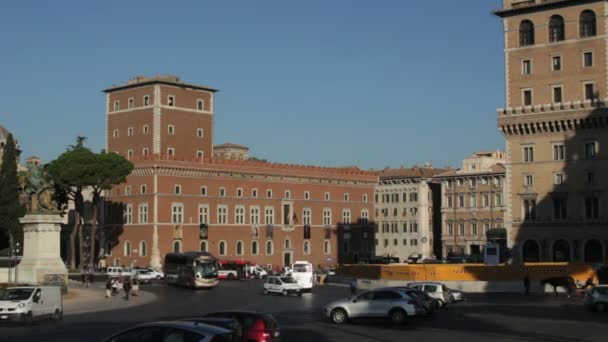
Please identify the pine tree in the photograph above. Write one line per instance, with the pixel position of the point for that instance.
(10, 208)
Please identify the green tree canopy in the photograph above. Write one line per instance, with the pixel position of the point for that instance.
(10, 207)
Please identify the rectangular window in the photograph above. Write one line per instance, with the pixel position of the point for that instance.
(143, 212)
(239, 215)
(203, 191)
(200, 133)
(115, 133)
(346, 197)
(130, 154)
(588, 59)
(449, 200)
(364, 216)
(556, 64)
(171, 101)
(527, 97)
(146, 100)
(306, 216)
(222, 192)
(529, 180)
(130, 103)
(461, 201)
(591, 150)
(474, 228)
(499, 199)
(450, 229)
(145, 129)
(177, 213)
(200, 154)
(326, 216)
(558, 178)
(559, 151)
(130, 131)
(268, 193)
(254, 215)
(287, 194)
(486, 200)
(346, 216)
(128, 190)
(222, 214)
(269, 215)
(327, 197)
(129, 213)
(589, 91)
(254, 193)
(116, 105)
(526, 67)
(528, 154)
(461, 229)
(146, 151)
(557, 94)
(170, 151)
(306, 195)
(239, 192)
(200, 105)
(171, 130)
(203, 214)
(473, 201)
(592, 208)
(143, 189)
(178, 189)
(530, 209)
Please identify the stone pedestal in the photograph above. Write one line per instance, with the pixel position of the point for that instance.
(41, 262)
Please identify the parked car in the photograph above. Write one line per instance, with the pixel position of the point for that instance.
(597, 298)
(257, 327)
(147, 273)
(282, 285)
(395, 304)
(117, 271)
(173, 331)
(436, 290)
(428, 303)
(230, 324)
(28, 303)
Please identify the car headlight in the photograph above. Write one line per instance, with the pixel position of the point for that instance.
(21, 305)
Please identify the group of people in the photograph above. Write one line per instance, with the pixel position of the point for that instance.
(87, 276)
(128, 285)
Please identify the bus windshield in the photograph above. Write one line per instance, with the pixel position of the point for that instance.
(302, 268)
(206, 269)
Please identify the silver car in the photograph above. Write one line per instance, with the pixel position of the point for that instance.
(436, 290)
(597, 298)
(394, 304)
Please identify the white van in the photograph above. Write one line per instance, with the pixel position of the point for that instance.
(115, 271)
(27, 303)
(302, 271)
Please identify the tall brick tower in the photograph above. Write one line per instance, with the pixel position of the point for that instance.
(160, 115)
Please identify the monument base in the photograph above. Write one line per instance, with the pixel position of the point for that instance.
(41, 262)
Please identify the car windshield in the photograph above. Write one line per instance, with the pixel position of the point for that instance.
(302, 268)
(288, 280)
(206, 269)
(16, 294)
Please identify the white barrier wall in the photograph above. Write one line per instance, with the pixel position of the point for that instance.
(464, 286)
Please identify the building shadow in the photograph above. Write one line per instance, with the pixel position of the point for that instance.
(356, 242)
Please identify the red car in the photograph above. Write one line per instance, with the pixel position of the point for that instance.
(258, 327)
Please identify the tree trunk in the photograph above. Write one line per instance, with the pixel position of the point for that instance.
(73, 240)
(80, 246)
(93, 234)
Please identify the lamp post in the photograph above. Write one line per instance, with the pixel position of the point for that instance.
(16, 252)
(10, 260)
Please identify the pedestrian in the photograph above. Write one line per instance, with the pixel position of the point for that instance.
(135, 286)
(91, 277)
(127, 287)
(109, 288)
(114, 286)
(87, 278)
(83, 276)
(353, 287)
(527, 284)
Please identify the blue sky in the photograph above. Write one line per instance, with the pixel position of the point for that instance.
(341, 82)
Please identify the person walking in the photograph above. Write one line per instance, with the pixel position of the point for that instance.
(83, 276)
(109, 287)
(527, 284)
(127, 287)
(114, 286)
(135, 286)
(87, 278)
(353, 287)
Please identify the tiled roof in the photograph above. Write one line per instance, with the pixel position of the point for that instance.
(411, 172)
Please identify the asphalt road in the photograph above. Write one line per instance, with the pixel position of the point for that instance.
(481, 318)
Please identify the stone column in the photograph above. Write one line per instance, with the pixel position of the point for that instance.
(41, 262)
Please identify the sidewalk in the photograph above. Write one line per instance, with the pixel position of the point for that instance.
(92, 299)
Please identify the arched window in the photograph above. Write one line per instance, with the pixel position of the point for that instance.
(143, 249)
(269, 248)
(556, 29)
(287, 244)
(177, 246)
(531, 251)
(588, 25)
(561, 251)
(306, 247)
(326, 247)
(222, 248)
(526, 33)
(254, 248)
(204, 246)
(239, 248)
(127, 248)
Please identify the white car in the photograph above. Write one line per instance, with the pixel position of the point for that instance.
(395, 304)
(282, 285)
(436, 290)
(258, 272)
(116, 271)
(144, 275)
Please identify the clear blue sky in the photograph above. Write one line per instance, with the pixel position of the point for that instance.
(341, 82)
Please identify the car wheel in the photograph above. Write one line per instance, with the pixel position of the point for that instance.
(158, 277)
(285, 293)
(397, 316)
(600, 307)
(58, 315)
(265, 291)
(28, 318)
(339, 316)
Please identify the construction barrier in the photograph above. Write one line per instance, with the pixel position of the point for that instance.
(467, 272)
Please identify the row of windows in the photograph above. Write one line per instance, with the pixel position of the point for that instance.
(145, 130)
(473, 182)
(591, 150)
(170, 152)
(557, 28)
(170, 101)
(556, 63)
(239, 193)
(385, 211)
(590, 204)
(559, 178)
(393, 227)
(413, 242)
(396, 198)
(461, 228)
(557, 93)
(472, 200)
(177, 215)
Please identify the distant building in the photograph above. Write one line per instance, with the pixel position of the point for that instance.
(473, 203)
(404, 201)
(231, 151)
(3, 136)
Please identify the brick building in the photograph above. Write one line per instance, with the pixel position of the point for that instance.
(180, 198)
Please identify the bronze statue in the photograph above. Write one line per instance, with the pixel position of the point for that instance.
(39, 190)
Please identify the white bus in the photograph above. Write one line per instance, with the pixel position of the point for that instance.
(191, 269)
(302, 271)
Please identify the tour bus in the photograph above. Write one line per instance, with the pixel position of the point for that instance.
(302, 271)
(233, 270)
(191, 269)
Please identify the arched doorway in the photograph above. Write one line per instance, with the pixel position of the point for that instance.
(561, 251)
(593, 251)
(531, 252)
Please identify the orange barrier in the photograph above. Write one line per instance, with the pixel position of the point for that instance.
(467, 272)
